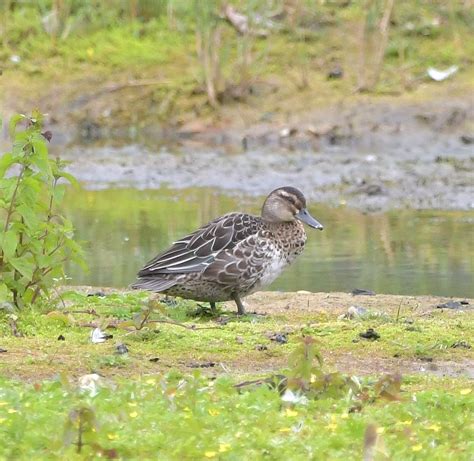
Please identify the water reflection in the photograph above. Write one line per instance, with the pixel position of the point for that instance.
(402, 252)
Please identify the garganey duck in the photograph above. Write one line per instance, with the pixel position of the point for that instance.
(233, 255)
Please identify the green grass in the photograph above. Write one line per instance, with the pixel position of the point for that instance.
(192, 417)
(236, 342)
(154, 402)
(107, 47)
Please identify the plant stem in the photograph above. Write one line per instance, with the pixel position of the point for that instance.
(12, 202)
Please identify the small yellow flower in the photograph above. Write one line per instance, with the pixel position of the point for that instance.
(344, 416)
(12, 410)
(331, 426)
(285, 429)
(133, 414)
(112, 436)
(224, 447)
(90, 52)
(27, 404)
(132, 404)
(210, 454)
(406, 423)
(418, 447)
(290, 413)
(434, 427)
(2, 420)
(380, 430)
(213, 412)
(465, 391)
(150, 381)
(2, 404)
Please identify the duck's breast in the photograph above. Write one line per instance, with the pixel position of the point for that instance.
(274, 267)
(282, 251)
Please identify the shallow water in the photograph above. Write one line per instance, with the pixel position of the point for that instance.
(401, 252)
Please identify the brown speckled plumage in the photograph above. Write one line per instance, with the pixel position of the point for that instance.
(233, 255)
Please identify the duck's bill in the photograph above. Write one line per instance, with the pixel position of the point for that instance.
(305, 217)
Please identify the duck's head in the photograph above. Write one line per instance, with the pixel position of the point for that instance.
(287, 204)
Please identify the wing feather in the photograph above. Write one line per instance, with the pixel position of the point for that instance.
(242, 264)
(196, 251)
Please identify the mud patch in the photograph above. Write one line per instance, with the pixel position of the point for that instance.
(368, 156)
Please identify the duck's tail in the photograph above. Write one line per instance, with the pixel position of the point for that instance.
(153, 284)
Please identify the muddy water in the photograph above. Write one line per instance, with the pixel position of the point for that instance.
(402, 252)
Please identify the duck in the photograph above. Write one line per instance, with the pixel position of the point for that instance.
(233, 255)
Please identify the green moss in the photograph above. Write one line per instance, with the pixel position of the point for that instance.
(178, 337)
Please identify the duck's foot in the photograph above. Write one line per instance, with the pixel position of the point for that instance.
(240, 305)
(209, 311)
(258, 314)
(171, 302)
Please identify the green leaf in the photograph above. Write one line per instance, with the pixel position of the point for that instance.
(24, 266)
(14, 122)
(6, 161)
(40, 159)
(70, 178)
(27, 296)
(29, 216)
(58, 193)
(4, 293)
(9, 243)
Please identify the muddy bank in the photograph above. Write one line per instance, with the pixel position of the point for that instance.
(370, 156)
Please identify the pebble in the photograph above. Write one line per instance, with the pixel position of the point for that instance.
(370, 334)
(121, 349)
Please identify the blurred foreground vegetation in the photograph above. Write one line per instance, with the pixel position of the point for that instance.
(192, 417)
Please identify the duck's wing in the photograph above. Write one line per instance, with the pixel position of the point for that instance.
(196, 251)
(243, 264)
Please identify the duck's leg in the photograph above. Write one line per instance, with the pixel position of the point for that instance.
(240, 306)
(213, 306)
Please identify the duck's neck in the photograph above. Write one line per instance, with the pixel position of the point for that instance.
(285, 226)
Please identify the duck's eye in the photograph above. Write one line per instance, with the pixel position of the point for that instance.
(291, 200)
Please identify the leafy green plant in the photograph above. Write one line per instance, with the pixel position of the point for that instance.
(35, 239)
(80, 428)
(307, 373)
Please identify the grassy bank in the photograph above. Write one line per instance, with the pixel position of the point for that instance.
(103, 60)
(175, 385)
